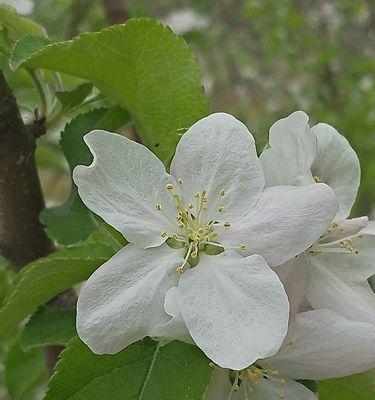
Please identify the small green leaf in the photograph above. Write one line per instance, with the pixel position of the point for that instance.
(49, 326)
(72, 222)
(145, 370)
(142, 65)
(355, 387)
(20, 25)
(73, 98)
(43, 279)
(25, 47)
(24, 372)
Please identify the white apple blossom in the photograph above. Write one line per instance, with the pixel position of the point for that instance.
(342, 260)
(234, 307)
(320, 344)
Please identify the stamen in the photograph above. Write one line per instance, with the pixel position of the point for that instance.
(197, 195)
(163, 234)
(180, 181)
(242, 247)
(220, 209)
(180, 269)
(190, 206)
(226, 224)
(169, 186)
(222, 192)
(316, 179)
(158, 206)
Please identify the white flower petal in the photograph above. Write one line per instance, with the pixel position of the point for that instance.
(271, 389)
(295, 277)
(285, 221)
(235, 308)
(123, 185)
(124, 299)
(293, 147)
(337, 165)
(218, 152)
(175, 328)
(266, 389)
(323, 345)
(345, 229)
(337, 283)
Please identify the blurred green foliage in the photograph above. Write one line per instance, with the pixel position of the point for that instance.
(262, 59)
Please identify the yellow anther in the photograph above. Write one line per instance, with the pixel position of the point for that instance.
(179, 270)
(190, 206)
(356, 251)
(282, 382)
(201, 230)
(236, 388)
(220, 209)
(192, 238)
(169, 186)
(180, 181)
(242, 247)
(184, 214)
(211, 365)
(176, 197)
(342, 243)
(181, 226)
(226, 224)
(179, 217)
(194, 254)
(342, 230)
(316, 179)
(197, 195)
(222, 192)
(282, 396)
(158, 206)
(204, 199)
(290, 343)
(274, 372)
(163, 234)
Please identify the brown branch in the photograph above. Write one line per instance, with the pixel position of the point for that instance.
(116, 11)
(22, 237)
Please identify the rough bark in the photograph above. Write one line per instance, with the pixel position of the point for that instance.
(22, 237)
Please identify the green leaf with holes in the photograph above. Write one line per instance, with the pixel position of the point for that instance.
(145, 370)
(145, 68)
(355, 387)
(43, 279)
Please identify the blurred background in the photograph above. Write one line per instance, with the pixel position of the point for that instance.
(260, 60)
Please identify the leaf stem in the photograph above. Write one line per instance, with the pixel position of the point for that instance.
(39, 88)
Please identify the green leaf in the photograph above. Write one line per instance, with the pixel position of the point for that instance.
(20, 25)
(24, 372)
(72, 222)
(73, 98)
(355, 387)
(25, 47)
(43, 279)
(49, 326)
(145, 370)
(143, 66)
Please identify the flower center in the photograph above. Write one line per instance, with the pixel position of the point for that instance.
(193, 231)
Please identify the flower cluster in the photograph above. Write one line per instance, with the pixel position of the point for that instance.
(251, 259)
